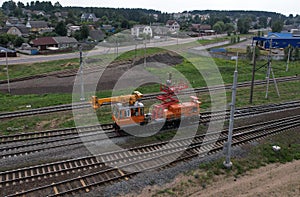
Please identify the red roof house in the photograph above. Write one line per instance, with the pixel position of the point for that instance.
(44, 43)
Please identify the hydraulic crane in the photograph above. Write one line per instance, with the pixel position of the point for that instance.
(130, 99)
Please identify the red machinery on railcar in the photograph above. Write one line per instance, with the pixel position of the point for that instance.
(129, 112)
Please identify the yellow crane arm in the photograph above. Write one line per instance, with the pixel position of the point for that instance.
(130, 99)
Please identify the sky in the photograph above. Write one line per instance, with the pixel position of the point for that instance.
(285, 7)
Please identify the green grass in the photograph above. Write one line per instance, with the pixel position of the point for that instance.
(214, 40)
(25, 70)
(19, 102)
(261, 155)
(37, 123)
(226, 67)
(139, 53)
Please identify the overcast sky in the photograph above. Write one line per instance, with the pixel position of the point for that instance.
(285, 7)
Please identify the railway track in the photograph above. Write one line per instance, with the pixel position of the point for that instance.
(34, 142)
(82, 174)
(67, 107)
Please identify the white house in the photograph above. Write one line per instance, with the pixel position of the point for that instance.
(173, 25)
(137, 30)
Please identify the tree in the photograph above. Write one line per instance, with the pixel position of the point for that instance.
(296, 54)
(20, 5)
(243, 25)
(229, 27)
(18, 41)
(277, 26)
(219, 27)
(4, 40)
(125, 24)
(61, 29)
(84, 32)
(263, 21)
(9, 5)
(288, 50)
(57, 5)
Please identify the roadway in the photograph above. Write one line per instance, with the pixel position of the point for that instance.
(98, 50)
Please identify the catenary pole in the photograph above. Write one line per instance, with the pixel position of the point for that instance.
(82, 98)
(227, 163)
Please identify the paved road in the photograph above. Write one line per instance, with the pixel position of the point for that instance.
(104, 50)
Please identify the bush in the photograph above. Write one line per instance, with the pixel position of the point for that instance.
(286, 51)
(296, 54)
(249, 52)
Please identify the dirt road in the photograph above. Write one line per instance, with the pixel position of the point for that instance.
(272, 180)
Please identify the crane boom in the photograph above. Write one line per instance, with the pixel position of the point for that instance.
(130, 99)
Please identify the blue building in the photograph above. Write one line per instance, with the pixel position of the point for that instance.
(278, 40)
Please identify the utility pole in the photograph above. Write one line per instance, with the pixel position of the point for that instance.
(253, 74)
(145, 51)
(117, 48)
(82, 98)
(269, 71)
(227, 163)
(177, 40)
(288, 59)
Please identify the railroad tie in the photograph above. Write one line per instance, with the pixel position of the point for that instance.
(55, 170)
(60, 169)
(20, 175)
(82, 164)
(84, 185)
(44, 172)
(49, 170)
(123, 174)
(38, 173)
(66, 167)
(55, 189)
(32, 173)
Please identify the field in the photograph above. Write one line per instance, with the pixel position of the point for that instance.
(226, 68)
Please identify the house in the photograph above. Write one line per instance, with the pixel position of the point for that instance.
(38, 26)
(39, 13)
(172, 25)
(27, 12)
(14, 21)
(202, 30)
(25, 48)
(44, 43)
(61, 42)
(21, 31)
(64, 42)
(137, 30)
(89, 17)
(61, 14)
(200, 27)
(203, 17)
(96, 35)
(179, 15)
(72, 29)
(108, 28)
(159, 30)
